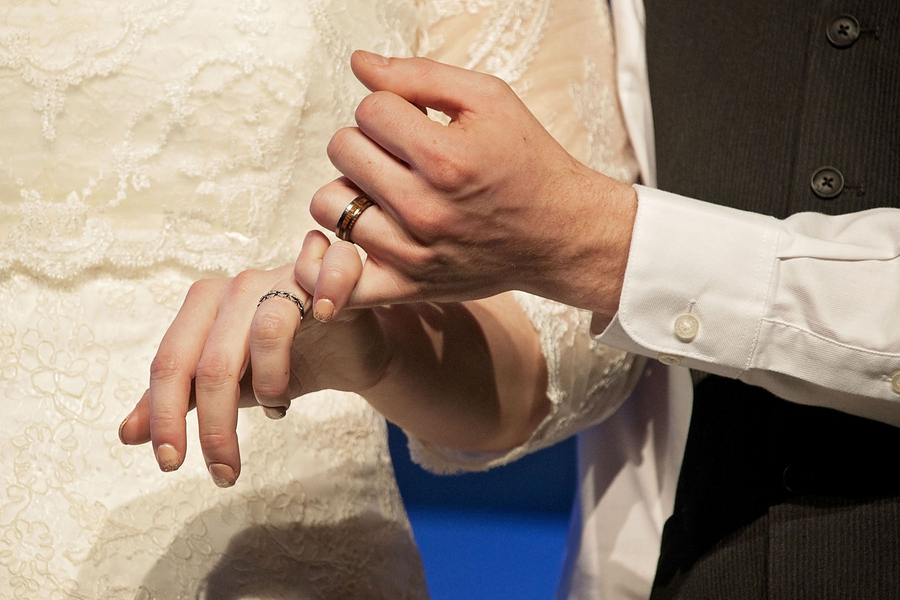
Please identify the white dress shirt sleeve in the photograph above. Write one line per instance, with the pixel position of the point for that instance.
(807, 307)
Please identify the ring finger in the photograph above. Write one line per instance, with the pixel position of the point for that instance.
(275, 323)
(373, 230)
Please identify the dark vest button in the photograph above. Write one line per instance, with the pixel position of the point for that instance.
(797, 479)
(827, 182)
(843, 31)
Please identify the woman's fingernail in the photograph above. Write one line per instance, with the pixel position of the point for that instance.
(324, 310)
(121, 427)
(167, 457)
(372, 58)
(222, 475)
(275, 412)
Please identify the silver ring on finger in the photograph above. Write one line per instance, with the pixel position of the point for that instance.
(350, 216)
(287, 296)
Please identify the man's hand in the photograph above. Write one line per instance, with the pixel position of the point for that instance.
(490, 202)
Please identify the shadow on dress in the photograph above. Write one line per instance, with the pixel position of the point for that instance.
(293, 556)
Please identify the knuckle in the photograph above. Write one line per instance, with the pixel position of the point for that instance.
(318, 205)
(449, 171)
(422, 66)
(428, 223)
(342, 264)
(200, 287)
(493, 87)
(269, 326)
(165, 366)
(346, 254)
(430, 264)
(369, 106)
(268, 389)
(214, 372)
(163, 419)
(215, 438)
(331, 276)
(420, 261)
(337, 274)
(244, 282)
(339, 142)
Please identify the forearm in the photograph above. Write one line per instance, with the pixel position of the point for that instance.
(469, 376)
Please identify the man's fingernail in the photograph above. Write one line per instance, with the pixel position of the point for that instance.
(324, 310)
(121, 427)
(372, 58)
(167, 457)
(275, 412)
(222, 475)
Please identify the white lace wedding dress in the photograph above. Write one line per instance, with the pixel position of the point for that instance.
(148, 143)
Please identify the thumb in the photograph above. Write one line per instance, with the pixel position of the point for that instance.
(424, 82)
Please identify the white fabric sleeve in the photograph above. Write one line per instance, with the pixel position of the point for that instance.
(807, 307)
(587, 381)
(558, 57)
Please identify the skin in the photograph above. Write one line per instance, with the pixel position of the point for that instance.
(465, 212)
(468, 375)
(489, 203)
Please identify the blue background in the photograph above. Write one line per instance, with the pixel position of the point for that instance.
(493, 535)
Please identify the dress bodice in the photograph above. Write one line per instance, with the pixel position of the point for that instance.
(191, 132)
(146, 143)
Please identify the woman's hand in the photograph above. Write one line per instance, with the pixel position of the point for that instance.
(469, 376)
(222, 352)
(489, 203)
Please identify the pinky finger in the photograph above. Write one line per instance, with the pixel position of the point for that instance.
(338, 275)
(309, 262)
(336, 268)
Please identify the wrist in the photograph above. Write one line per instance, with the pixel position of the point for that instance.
(592, 270)
(617, 228)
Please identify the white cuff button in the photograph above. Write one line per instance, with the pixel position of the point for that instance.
(669, 359)
(686, 327)
(895, 382)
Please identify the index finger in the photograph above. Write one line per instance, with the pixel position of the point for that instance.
(422, 81)
(401, 129)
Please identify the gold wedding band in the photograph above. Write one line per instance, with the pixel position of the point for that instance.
(350, 216)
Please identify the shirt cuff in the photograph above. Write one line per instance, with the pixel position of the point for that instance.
(696, 283)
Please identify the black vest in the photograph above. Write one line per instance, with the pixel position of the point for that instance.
(779, 106)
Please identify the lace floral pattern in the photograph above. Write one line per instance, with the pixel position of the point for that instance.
(147, 143)
(208, 155)
(507, 33)
(317, 513)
